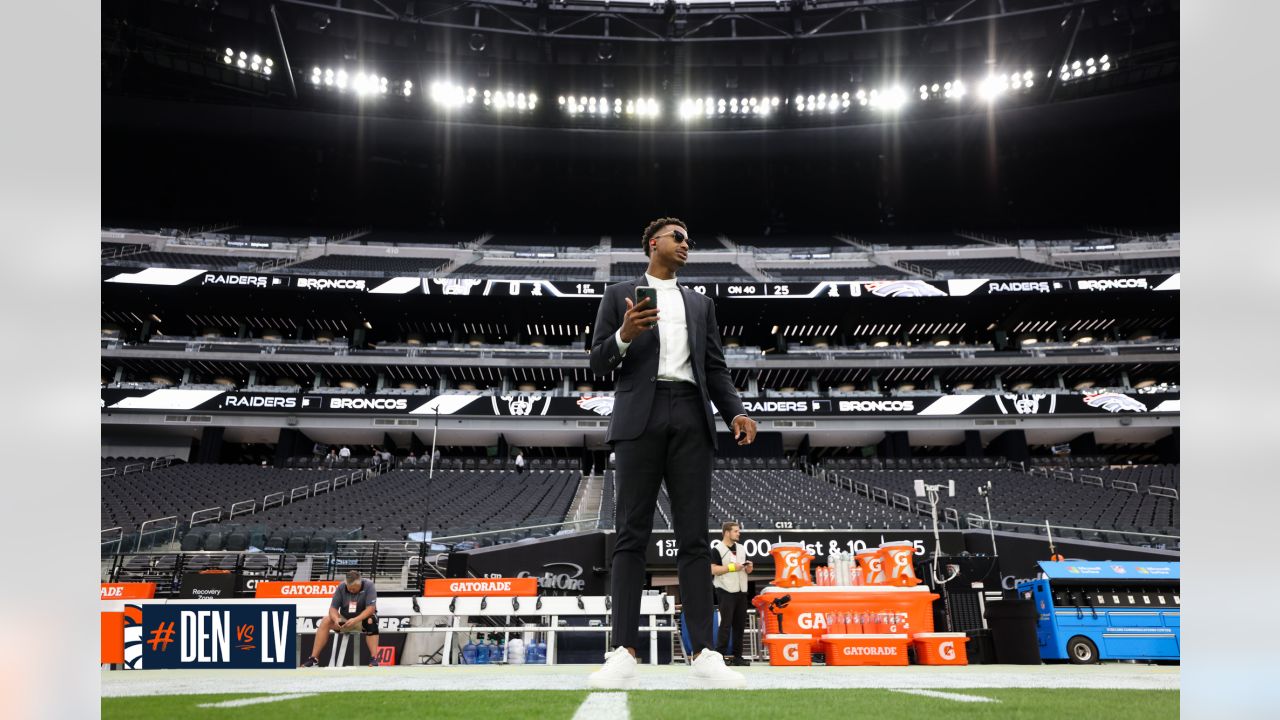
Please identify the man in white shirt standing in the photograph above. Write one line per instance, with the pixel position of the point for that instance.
(730, 579)
(669, 369)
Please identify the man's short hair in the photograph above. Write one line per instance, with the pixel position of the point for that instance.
(652, 229)
(725, 528)
(353, 576)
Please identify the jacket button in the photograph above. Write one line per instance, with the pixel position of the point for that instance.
(653, 378)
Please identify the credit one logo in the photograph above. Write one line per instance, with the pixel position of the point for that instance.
(330, 284)
(1113, 284)
(259, 281)
(877, 406)
(368, 404)
(559, 581)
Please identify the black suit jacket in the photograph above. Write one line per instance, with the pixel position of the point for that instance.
(637, 371)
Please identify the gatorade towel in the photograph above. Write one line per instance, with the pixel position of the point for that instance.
(897, 559)
(871, 563)
(791, 565)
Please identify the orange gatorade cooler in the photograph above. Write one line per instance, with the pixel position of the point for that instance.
(871, 562)
(940, 648)
(866, 649)
(897, 559)
(791, 565)
(790, 650)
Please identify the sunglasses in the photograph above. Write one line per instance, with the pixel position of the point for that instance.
(679, 237)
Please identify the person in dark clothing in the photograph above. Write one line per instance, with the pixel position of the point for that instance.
(669, 369)
(353, 609)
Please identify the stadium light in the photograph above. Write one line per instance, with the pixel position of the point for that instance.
(604, 106)
(691, 108)
(889, 99)
(450, 96)
(363, 84)
(997, 84)
(251, 62)
(950, 90)
(825, 102)
(1087, 68)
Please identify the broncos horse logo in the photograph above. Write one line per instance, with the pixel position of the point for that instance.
(904, 288)
(598, 404)
(1114, 402)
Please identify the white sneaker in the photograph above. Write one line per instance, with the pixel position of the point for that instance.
(710, 667)
(619, 671)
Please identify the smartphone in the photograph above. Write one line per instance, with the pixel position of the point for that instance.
(643, 292)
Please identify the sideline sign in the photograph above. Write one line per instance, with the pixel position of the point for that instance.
(480, 587)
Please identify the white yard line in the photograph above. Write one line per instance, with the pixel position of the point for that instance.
(254, 700)
(947, 695)
(612, 705)
(121, 683)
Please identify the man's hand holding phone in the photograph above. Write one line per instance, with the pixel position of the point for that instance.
(639, 316)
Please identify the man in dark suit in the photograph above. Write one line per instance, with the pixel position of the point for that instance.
(669, 369)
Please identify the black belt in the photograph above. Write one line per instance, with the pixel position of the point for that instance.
(678, 387)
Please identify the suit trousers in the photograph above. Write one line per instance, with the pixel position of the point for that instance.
(674, 448)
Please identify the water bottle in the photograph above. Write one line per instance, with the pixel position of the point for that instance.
(515, 651)
(482, 652)
(495, 652)
(531, 653)
(542, 652)
(469, 653)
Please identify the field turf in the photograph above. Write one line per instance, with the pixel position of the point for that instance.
(661, 705)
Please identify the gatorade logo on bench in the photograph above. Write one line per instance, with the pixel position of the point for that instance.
(323, 589)
(791, 651)
(492, 587)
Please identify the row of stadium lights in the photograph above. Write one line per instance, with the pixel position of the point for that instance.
(1090, 67)
(890, 99)
(452, 96)
(363, 84)
(250, 62)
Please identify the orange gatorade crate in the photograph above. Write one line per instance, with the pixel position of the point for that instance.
(866, 649)
(940, 648)
(790, 650)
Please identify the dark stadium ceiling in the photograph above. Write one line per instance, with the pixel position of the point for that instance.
(1039, 156)
(624, 21)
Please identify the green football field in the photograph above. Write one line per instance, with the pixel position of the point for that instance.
(655, 704)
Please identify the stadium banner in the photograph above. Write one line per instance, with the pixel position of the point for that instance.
(1021, 555)
(208, 585)
(212, 635)
(111, 619)
(128, 591)
(573, 563)
(757, 542)
(834, 289)
(321, 589)
(480, 587)
(596, 406)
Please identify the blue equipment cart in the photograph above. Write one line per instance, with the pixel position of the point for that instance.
(1107, 610)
